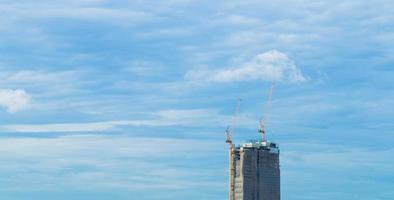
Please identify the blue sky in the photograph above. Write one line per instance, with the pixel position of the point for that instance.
(129, 99)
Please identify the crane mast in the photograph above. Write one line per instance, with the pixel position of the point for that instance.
(229, 141)
(230, 128)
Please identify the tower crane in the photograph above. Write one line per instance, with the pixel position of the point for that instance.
(229, 141)
(263, 120)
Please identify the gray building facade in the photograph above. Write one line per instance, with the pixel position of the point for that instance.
(255, 173)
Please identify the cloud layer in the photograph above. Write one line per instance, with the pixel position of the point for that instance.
(14, 100)
(272, 65)
(191, 117)
(118, 69)
(106, 163)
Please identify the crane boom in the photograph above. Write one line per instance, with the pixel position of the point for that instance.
(230, 129)
(263, 120)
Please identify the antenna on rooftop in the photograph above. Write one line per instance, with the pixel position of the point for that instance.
(263, 120)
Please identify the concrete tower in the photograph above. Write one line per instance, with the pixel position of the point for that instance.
(254, 171)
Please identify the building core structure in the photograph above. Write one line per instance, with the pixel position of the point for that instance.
(254, 171)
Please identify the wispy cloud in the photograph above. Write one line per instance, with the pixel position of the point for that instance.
(34, 76)
(105, 162)
(193, 117)
(14, 100)
(335, 164)
(239, 20)
(74, 11)
(144, 68)
(71, 127)
(272, 65)
(44, 83)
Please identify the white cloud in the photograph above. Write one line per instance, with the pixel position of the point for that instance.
(14, 100)
(272, 66)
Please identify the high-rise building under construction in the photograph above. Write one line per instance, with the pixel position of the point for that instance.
(254, 171)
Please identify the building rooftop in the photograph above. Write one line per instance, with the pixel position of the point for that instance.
(268, 145)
